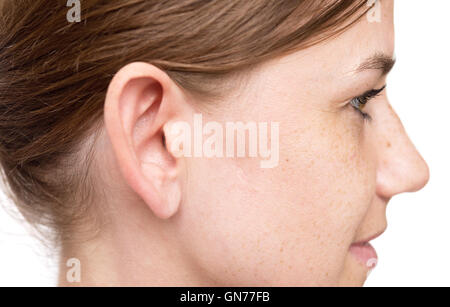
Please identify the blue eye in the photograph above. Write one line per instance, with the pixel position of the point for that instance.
(360, 102)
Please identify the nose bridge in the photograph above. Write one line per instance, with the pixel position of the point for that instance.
(400, 166)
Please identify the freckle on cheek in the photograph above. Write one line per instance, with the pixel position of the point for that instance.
(388, 144)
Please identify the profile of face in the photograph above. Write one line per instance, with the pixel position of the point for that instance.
(180, 220)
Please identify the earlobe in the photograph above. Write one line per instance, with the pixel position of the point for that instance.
(137, 106)
(165, 200)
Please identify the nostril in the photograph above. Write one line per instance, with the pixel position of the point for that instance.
(400, 175)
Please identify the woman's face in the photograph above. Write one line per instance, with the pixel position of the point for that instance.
(294, 224)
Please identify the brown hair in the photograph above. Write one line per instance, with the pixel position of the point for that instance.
(54, 76)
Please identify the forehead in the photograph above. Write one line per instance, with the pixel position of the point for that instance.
(337, 58)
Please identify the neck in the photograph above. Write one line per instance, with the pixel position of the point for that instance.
(135, 257)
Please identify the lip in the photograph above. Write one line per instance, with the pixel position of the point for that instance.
(369, 238)
(364, 252)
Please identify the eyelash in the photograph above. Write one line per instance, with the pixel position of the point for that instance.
(358, 103)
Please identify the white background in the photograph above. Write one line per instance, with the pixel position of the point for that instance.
(415, 250)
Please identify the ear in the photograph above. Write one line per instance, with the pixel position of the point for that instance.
(140, 101)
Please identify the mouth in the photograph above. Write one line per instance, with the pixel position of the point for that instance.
(364, 252)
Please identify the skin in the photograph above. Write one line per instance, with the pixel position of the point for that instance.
(184, 221)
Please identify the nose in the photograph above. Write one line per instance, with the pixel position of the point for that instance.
(400, 166)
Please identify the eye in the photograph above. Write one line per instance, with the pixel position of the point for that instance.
(360, 102)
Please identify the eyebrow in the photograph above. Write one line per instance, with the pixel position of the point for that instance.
(379, 61)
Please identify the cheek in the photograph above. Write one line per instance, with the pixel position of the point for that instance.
(291, 225)
(322, 191)
(336, 173)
